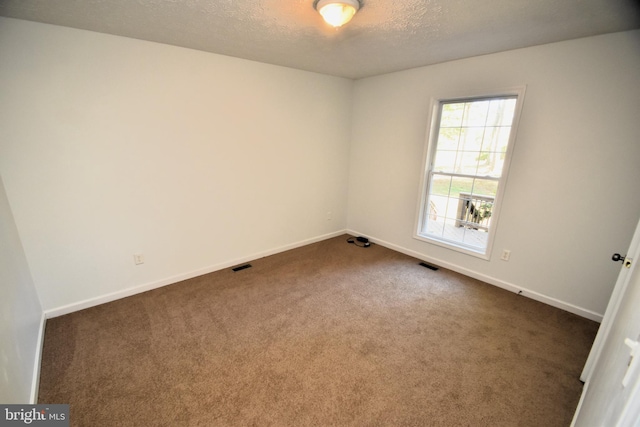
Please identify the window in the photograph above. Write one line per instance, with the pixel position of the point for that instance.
(466, 165)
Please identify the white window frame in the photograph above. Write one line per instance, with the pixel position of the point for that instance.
(428, 158)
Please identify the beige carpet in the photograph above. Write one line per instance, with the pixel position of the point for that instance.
(325, 335)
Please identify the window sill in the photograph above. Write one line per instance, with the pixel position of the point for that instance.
(454, 246)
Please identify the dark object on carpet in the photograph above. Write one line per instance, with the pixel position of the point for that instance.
(429, 266)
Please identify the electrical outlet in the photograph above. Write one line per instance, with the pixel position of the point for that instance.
(506, 254)
(138, 259)
(329, 216)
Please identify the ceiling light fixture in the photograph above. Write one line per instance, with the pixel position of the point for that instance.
(337, 12)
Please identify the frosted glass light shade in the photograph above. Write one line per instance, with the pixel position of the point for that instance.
(337, 12)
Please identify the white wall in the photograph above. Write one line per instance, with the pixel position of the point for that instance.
(572, 198)
(21, 315)
(111, 146)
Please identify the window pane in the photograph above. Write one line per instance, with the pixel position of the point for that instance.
(471, 139)
(476, 113)
(501, 112)
(491, 165)
(435, 228)
(502, 139)
(485, 187)
(448, 138)
(440, 185)
(452, 208)
(467, 163)
(450, 231)
(451, 115)
(475, 238)
(490, 138)
(461, 185)
(436, 208)
(445, 161)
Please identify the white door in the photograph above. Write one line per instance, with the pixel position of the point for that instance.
(611, 395)
(614, 304)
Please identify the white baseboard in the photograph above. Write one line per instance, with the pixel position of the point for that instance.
(35, 381)
(70, 308)
(583, 312)
(91, 302)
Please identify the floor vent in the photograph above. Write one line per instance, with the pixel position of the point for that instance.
(429, 266)
(242, 267)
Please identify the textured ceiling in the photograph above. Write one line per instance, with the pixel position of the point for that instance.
(384, 36)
